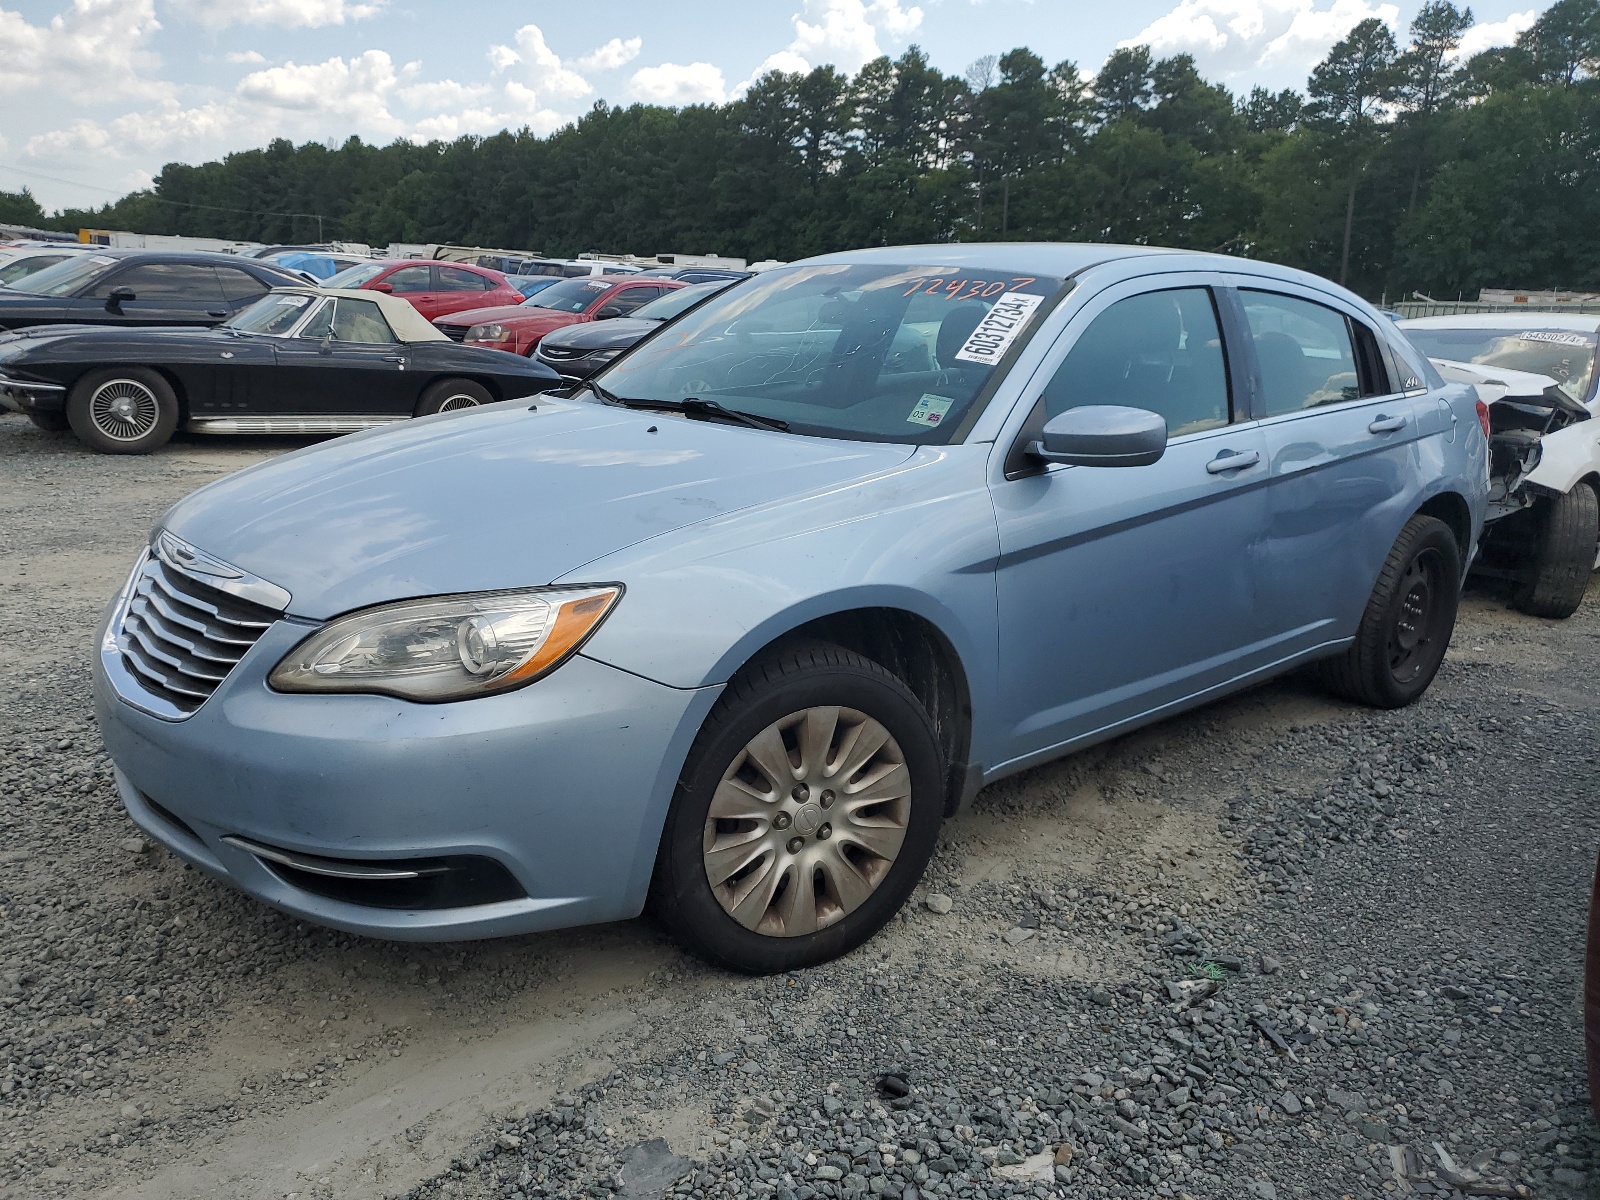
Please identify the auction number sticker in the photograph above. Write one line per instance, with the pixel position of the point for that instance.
(294, 301)
(930, 410)
(995, 333)
(1556, 339)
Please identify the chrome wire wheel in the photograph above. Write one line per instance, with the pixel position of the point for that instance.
(807, 821)
(457, 400)
(124, 410)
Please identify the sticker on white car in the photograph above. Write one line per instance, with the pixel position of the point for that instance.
(995, 333)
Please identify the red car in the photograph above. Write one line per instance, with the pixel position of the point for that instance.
(518, 327)
(435, 289)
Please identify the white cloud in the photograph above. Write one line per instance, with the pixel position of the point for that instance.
(841, 32)
(613, 54)
(671, 84)
(354, 91)
(1241, 37)
(1490, 34)
(540, 66)
(445, 93)
(81, 138)
(244, 56)
(98, 46)
(287, 14)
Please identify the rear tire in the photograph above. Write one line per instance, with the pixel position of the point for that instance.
(123, 410)
(1568, 528)
(795, 809)
(448, 395)
(1409, 618)
(53, 422)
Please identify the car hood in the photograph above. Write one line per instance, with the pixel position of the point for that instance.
(1494, 383)
(499, 497)
(19, 343)
(482, 316)
(615, 334)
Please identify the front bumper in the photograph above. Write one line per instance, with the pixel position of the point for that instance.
(564, 783)
(30, 395)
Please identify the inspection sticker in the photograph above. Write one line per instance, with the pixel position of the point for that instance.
(995, 333)
(930, 410)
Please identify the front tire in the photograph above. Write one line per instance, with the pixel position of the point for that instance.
(1568, 527)
(807, 811)
(1409, 618)
(123, 410)
(448, 395)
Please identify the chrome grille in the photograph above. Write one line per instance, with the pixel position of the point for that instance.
(559, 352)
(180, 637)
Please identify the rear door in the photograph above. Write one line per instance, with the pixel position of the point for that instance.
(239, 288)
(457, 289)
(165, 293)
(1342, 447)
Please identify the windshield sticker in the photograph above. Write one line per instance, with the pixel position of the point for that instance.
(930, 410)
(295, 301)
(102, 259)
(1556, 339)
(995, 333)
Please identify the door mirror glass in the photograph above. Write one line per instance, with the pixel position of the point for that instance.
(118, 294)
(1103, 435)
(383, 287)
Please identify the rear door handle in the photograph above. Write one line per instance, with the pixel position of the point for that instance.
(1233, 462)
(1387, 424)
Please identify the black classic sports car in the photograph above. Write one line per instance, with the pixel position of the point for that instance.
(140, 287)
(299, 361)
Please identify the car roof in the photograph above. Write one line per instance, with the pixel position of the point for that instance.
(210, 256)
(1578, 322)
(408, 324)
(1061, 259)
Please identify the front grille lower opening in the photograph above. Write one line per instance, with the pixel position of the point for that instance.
(451, 881)
(170, 818)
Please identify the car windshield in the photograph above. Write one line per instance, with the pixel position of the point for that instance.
(851, 350)
(1565, 355)
(678, 301)
(67, 277)
(354, 277)
(275, 314)
(21, 268)
(529, 284)
(570, 295)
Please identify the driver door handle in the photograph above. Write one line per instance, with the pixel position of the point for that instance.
(1233, 462)
(1385, 424)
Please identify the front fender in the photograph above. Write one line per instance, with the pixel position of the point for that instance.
(1567, 456)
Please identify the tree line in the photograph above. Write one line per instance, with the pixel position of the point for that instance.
(1401, 167)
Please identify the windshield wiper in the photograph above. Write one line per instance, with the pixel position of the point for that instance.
(690, 406)
(606, 397)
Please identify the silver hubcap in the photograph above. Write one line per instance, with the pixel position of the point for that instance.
(124, 409)
(451, 403)
(807, 821)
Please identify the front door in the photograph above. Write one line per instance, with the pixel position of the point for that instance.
(164, 293)
(1123, 590)
(1342, 450)
(416, 284)
(344, 361)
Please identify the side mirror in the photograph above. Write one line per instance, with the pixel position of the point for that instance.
(1103, 435)
(118, 294)
(326, 345)
(606, 313)
(383, 287)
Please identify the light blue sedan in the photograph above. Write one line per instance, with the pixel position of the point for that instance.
(733, 629)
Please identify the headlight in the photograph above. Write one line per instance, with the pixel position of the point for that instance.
(447, 648)
(488, 333)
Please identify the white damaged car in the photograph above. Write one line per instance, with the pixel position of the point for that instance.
(1536, 372)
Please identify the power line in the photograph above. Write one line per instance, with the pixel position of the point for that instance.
(317, 217)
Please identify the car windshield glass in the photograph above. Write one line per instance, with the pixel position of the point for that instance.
(270, 314)
(677, 301)
(570, 295)
(354, 277)
(21, 268)
(529, 284)
(67, 277)
(852, 350)
(1565, 355)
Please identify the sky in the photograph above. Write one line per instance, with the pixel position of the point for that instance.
(96, 95)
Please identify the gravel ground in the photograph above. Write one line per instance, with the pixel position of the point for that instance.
(1278, 947)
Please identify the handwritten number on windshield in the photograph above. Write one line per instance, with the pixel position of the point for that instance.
(966, 289)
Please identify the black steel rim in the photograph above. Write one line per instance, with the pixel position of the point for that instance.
(1413, 626)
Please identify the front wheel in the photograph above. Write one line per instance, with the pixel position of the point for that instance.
(1566, 531)
(805, 815)
(1408, 621)
(123, 410)
(448, 395)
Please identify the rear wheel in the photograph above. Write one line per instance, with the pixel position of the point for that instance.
(52, 422)
(448, 395)
(123, 410)
(806, 813)
(1408, 621)
(1567, 529)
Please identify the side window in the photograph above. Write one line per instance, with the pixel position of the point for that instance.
(1161, 351)
(196, 282)
(240, 286)
(410, 279)
(320, 324)
(1305, 352)
(629, 299)
(454, 279)
(359, 321)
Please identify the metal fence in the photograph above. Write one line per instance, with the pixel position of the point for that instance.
(1456, 308)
